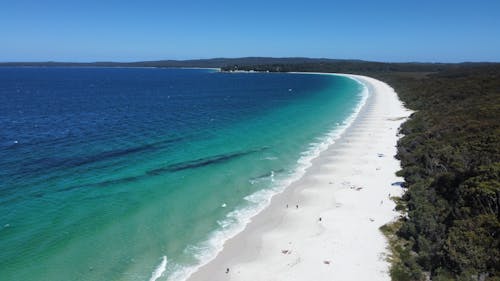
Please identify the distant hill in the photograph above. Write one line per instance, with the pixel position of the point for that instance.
(269, 64)
(215, 62)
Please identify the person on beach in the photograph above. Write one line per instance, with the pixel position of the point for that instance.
(296, 206)
(227, 270)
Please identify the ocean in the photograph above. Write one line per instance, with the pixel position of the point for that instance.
(143, 173)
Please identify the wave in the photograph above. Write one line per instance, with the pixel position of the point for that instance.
(236, 221)
(270, 158)
(160, 269)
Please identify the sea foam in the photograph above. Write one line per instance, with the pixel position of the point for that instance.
(160, 269)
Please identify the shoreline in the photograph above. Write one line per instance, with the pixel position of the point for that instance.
(293, 242)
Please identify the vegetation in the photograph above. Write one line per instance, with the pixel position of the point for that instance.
(450, 156)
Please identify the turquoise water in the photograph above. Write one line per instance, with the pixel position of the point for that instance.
(142, 174)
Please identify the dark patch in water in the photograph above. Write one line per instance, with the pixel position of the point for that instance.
(120, 180)
(41, 165)
(75, 162)
(103, 183)
(192, 164)
(201, 162)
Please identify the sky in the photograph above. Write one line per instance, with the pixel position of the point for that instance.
(377, 30)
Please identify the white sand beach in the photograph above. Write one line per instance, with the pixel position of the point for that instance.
(330, 228)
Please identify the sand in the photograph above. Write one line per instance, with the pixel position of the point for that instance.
(330, 229)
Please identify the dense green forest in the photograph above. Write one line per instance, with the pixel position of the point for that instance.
(450, 154)
(450, 157)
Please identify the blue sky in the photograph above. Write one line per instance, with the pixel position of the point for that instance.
(382, 30)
